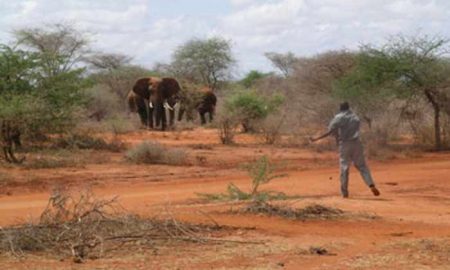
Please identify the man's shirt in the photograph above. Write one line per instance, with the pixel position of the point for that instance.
(346, 124)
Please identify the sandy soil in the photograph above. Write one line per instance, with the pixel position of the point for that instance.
(411, 231)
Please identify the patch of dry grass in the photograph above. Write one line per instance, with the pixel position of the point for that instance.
(155, 153)
(407, 254)
(84, 227)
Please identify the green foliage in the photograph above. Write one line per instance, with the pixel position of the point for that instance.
(406, 68)
(249, 105)
(17, 70)
(34, 102)
(261, 171)
(253, 76)
(203, 61)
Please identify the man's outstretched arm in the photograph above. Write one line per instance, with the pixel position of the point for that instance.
(312, 139)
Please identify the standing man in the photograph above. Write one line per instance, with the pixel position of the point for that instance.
(345, 125)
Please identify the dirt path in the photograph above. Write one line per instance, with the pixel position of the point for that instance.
(414, 207)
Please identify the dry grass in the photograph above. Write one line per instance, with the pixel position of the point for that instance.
(63, 158)
(314, 211)
(309, 212)
(407, 254)
(155, 153)
(84, 227)
(85, 141)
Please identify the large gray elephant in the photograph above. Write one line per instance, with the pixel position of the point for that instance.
(153, 94)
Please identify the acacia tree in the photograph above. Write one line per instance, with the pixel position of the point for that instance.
(108, 61)
(207, 62)
(406, 68)
(31, 104)
(284, 62)
(61, 46)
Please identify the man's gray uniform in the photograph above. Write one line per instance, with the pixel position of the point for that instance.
(346, 123)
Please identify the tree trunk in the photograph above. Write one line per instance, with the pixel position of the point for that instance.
(437, 128)
(437, 122)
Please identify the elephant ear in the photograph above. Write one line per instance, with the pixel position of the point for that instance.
(141, 87)
(170, 87)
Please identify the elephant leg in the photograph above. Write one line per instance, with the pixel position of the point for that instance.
(143, 115)
(150, 117)
(163, 119)
(12, 156)
(211, 116)
(203, 119)
(171, 117)
(161, 116)
(180, 114)
(5, 154)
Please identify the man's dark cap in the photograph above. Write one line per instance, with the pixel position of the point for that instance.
(344, 106)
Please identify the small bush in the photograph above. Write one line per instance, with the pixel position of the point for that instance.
(155, 153)
(261, 171)
(251, 106)
(271, 128)
(226, 130)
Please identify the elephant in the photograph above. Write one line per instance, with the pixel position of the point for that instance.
(204, 101)
(154, 94)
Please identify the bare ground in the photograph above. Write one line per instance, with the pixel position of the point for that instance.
(411, 231)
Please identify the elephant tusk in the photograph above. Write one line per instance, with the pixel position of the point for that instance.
(150, 104)
(167, 106)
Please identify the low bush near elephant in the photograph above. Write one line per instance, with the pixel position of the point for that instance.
(155, 153)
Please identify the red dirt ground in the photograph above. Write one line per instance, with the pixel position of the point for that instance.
(412, 230)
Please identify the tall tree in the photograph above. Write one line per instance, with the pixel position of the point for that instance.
(204, 61)
(61, 46)
(405, 68)
(108, 61)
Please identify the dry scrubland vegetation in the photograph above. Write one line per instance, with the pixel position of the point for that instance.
(63, 106)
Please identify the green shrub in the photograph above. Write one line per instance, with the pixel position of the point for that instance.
(250, 106)
(261, 171)
(38, 103)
